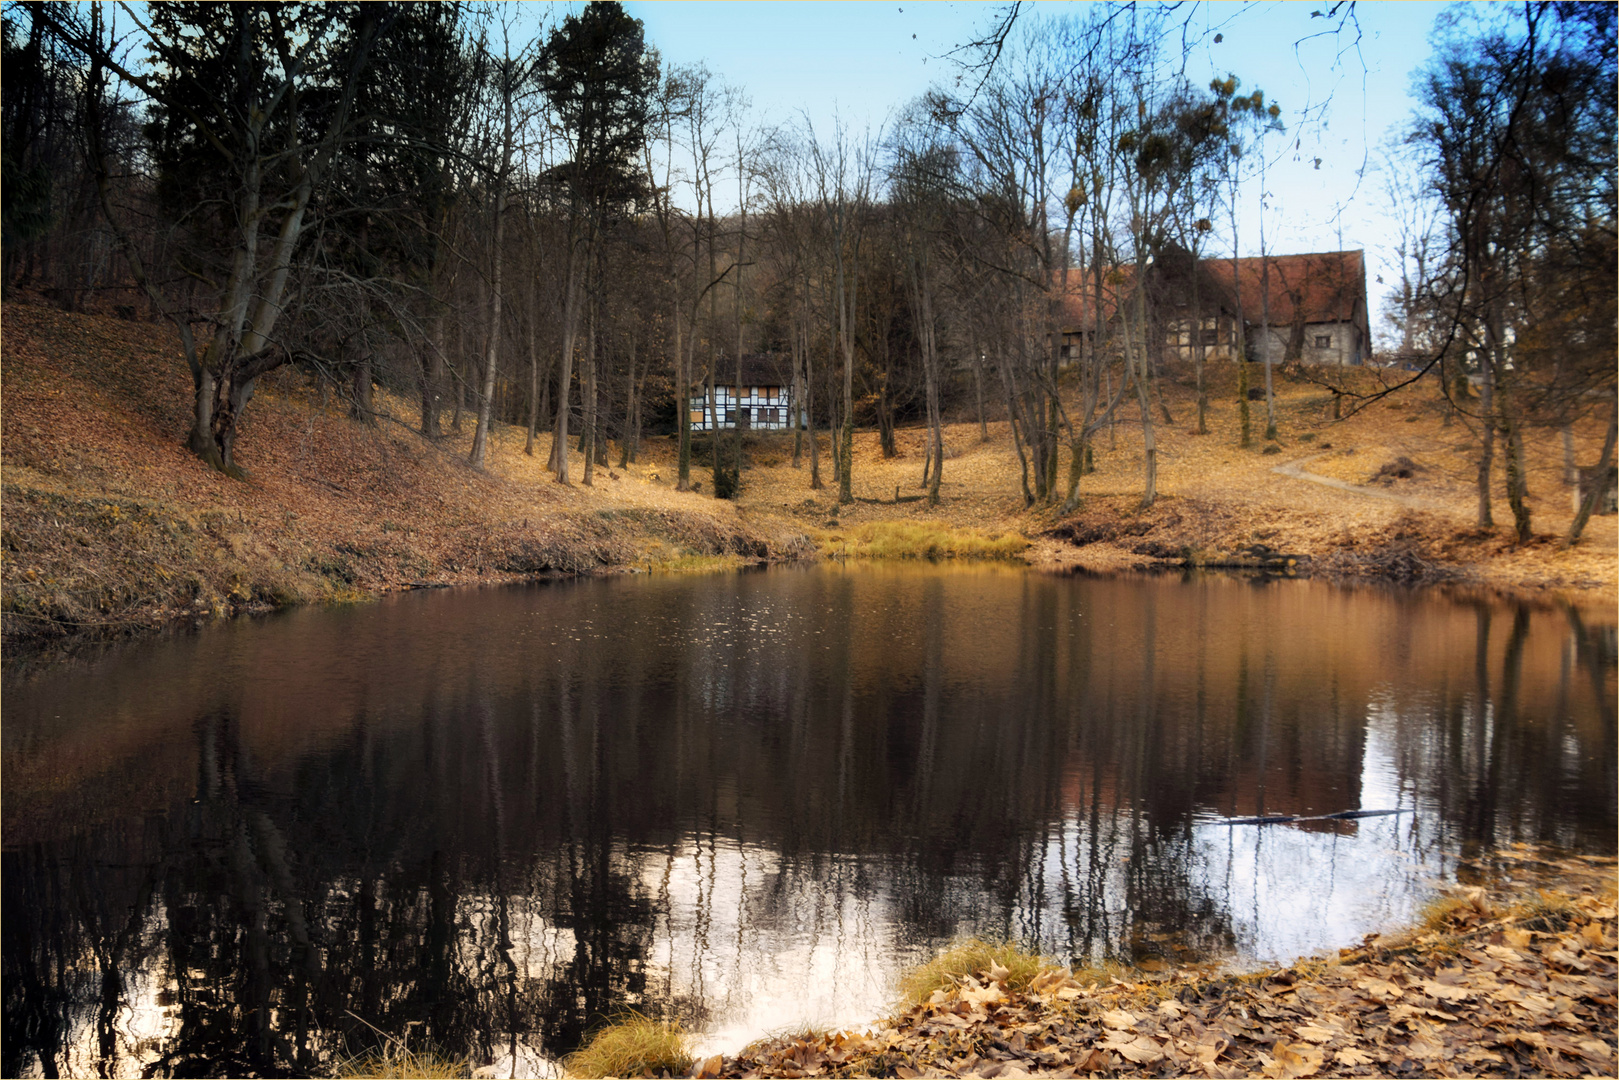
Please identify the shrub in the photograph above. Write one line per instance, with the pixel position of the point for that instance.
(726, 483)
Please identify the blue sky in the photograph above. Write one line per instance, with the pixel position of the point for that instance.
(865, 60)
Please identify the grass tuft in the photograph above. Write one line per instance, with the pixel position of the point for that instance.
(633, 1046)
(397, 1063)
(919, 540)
(974, 957)
(1444, 913)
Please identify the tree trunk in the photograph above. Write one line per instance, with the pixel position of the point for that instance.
(1017, 436)
(978, 387)
(570, 329)
(1486, 409)
(809, 414)
(587, 436)
(1599, 482)
(533, 365)
(683, 381)
(1199, 354)
(433, 380)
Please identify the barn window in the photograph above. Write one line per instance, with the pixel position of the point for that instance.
(1323, 341)
(1211, 337)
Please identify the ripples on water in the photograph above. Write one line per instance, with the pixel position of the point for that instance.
(747, 800)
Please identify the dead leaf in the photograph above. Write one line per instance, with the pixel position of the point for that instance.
(1096, 1061)
(1288, 1061)
(710, 1067)
(1423, 1046)
(1517, 938)
(1138, 1048)
(1381, 989)
(1444, 991)
(1350, 1056)
(1118, 1018)
(1567, 959)
(1405, 1014)
(1171, 1008)
(1596, 1050)
(1315, 1034)
(976, 994)
(998, 974)
(1207, 1051)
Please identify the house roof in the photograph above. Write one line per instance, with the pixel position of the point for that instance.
(1325, 286)
(758, 369)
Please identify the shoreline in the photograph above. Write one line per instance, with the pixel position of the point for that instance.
(113, 530)
(1511, 973)
(64, 639)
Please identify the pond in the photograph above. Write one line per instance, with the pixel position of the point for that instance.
(487, 819)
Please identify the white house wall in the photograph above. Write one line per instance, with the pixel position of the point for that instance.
(1342, 344)
(769, 408)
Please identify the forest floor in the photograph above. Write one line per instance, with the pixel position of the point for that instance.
(111, 526)
(1388, 493)
(1510, 974)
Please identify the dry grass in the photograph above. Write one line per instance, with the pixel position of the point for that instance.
(1008, 963)
(932, 541)
(633, 1046)
(402, 1064)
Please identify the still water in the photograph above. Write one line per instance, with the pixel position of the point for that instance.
(490, 818)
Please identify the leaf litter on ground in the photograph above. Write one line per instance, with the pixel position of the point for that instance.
(1512, 975)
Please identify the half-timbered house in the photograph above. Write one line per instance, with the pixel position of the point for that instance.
(761, 401)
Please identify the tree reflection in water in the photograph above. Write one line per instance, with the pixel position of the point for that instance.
(491, 819)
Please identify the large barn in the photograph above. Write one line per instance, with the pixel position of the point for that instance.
(1308, 308)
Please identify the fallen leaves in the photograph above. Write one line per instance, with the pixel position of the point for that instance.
(1495, 990)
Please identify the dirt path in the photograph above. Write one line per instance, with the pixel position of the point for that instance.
(1295, 469)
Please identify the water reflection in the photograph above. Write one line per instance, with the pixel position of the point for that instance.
(747, 800)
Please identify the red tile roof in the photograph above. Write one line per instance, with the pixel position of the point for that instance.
(1330, 286)
(1327, 285)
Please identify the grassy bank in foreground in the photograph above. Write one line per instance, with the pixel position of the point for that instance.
(1514, 977)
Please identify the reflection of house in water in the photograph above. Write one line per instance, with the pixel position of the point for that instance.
(762, 400)
(1307, 308)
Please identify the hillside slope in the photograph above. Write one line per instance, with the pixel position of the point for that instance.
(111, 525)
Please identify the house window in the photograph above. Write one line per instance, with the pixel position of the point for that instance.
(730, 417)
(1211, 337)
(1323, 341)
